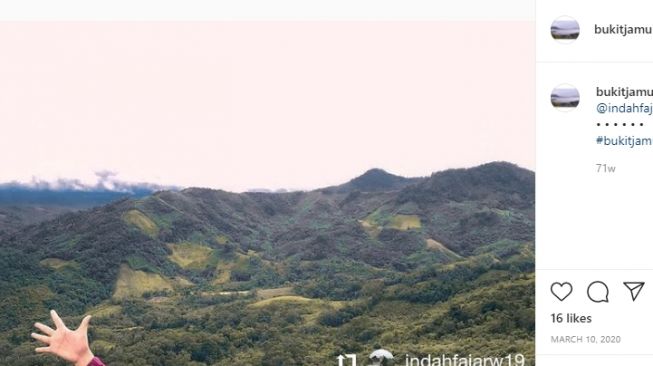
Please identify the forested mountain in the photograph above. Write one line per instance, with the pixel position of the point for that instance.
(374, 180)
(207, 277)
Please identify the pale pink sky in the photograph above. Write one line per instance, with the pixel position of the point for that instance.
(238, 105)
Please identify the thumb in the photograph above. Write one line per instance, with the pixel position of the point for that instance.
(84, 324)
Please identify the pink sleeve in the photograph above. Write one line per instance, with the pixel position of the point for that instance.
(96, 362)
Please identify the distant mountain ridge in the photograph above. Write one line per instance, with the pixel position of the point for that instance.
(443, 207)
(500, 179)
(29, 203)
(17, 195)
(73, 192)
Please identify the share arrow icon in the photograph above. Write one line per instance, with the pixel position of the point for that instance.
(635, 288)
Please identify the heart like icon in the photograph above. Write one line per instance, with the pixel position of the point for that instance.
(561, 290)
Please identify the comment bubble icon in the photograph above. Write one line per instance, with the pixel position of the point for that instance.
(598, 292)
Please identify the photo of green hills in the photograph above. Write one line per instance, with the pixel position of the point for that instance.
(195, 276)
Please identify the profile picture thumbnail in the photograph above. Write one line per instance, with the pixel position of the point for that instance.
(565, 29)
(565, 97)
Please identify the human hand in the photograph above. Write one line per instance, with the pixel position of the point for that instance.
(71, 345)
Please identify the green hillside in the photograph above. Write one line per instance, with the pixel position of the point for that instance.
(207, 277)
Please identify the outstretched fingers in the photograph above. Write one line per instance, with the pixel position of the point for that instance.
(41, 337)
(44, 328)
(84, 324)
(59, 324)
(42, 350)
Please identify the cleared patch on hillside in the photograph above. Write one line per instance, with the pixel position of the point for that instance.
(405, 222)
(183, 282)
(159, 299)
(274, 292)
(105, 310)
(189, 255)
(311, 308)
(223, 274)
(372, 224)
(133, 283)
(55, 263)
(142, 222)
(284, 299)
(436, 246)
(224, 268)
(370, 227)
(376, 221)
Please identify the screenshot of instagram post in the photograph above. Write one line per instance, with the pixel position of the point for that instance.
(594, 103)
(344, 183)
